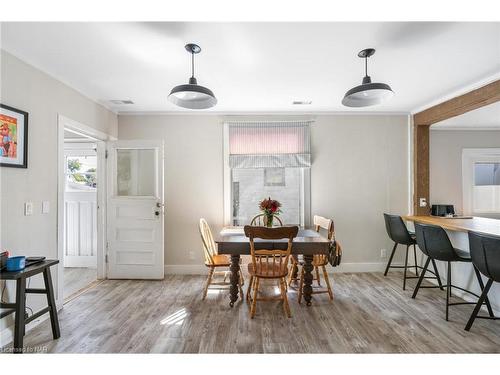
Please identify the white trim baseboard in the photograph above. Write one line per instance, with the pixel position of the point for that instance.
(199, 269)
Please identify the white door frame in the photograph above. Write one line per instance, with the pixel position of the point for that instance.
(100, 139)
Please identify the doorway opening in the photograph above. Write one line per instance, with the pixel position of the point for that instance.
(80, 213)
(80, 209)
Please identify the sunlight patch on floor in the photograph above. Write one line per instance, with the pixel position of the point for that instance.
(177, 318)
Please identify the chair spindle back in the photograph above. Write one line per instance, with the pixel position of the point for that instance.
(209, 246)
(270, 263)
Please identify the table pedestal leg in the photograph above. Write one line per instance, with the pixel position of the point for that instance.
(295, 268)
(234, 279)
(308, 279)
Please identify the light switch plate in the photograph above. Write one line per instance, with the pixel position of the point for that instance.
(28, 208)
(45, 207)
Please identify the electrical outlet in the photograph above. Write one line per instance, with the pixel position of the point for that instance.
(191, 255)
(383, 253)
(28, 208)
(423, 202)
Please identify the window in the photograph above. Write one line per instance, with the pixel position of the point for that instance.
(274, 177)
(481, 182)
(486, 174)
(135, 174)
(267, 159)
(81, 173)
(486, 190)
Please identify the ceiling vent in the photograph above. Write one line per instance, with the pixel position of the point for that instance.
(121, 102)
(302, 102)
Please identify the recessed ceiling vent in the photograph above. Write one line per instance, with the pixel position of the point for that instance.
(121, 102)
(302, 102)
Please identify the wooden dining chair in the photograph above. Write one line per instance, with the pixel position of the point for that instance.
(269, 264)
(214, 261)
(320, 261)
(260, 221)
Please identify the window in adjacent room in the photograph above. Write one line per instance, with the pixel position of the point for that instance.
(481, 182)
(486, 190)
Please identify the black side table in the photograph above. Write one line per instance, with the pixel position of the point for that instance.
(19, 306)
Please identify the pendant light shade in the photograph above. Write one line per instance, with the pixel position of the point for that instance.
(192, 95)
(368, 93)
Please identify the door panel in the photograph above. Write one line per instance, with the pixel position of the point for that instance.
(135, 210)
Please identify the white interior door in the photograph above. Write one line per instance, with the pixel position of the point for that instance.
(135, 210)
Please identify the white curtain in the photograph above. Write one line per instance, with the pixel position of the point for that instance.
(274, 144)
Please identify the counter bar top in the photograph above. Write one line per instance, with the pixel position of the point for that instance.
(476, 224)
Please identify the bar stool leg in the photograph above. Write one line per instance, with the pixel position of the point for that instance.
(406, 267)
(415, 257)
(421, 278)
(437, 274)
(390, 258)
(480, 301)
(481, 285)
(448, 289)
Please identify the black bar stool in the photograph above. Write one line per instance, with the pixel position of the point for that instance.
(397, 231)
(485, 255)
(435, 243)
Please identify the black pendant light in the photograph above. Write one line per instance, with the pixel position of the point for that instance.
(368, 93)
(192, 95)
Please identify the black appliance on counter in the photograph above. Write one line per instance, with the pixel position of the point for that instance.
(442, 210)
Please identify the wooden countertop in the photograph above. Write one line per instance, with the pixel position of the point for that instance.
(476, 224)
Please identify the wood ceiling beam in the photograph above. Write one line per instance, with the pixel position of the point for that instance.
(422, 122)
(459, 105)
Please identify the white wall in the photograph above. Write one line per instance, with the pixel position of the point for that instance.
(446, 161)
(360, 170)
(43, 97)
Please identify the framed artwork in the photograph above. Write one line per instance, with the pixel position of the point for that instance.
(13, 137)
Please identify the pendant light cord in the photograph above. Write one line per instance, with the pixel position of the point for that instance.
(366, 65)
(192, 64)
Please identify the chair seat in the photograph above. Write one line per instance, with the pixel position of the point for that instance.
(463, 255)
(268, 270)
(219, 261)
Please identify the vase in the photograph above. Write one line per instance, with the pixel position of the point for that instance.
(269, 220)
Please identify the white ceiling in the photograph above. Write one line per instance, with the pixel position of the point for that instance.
(254, 67)
(487, 117)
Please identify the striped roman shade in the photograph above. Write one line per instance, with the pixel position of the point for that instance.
(274, 144)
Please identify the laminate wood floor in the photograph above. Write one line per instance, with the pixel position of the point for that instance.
(77, 278)
(369, 314)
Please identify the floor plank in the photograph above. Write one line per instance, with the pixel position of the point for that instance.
(370, 314)
(77, 278)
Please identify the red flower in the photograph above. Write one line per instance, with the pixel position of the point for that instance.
(270, 206)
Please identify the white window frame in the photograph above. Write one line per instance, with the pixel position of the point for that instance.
(470, 156)
(305, 188)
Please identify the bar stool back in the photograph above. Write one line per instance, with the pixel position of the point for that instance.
(485, 255)
(434, 241)
(397, 231)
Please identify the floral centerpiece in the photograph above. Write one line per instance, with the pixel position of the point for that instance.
(270, 208)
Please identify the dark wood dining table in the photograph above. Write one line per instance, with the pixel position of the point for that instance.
(308, 242)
